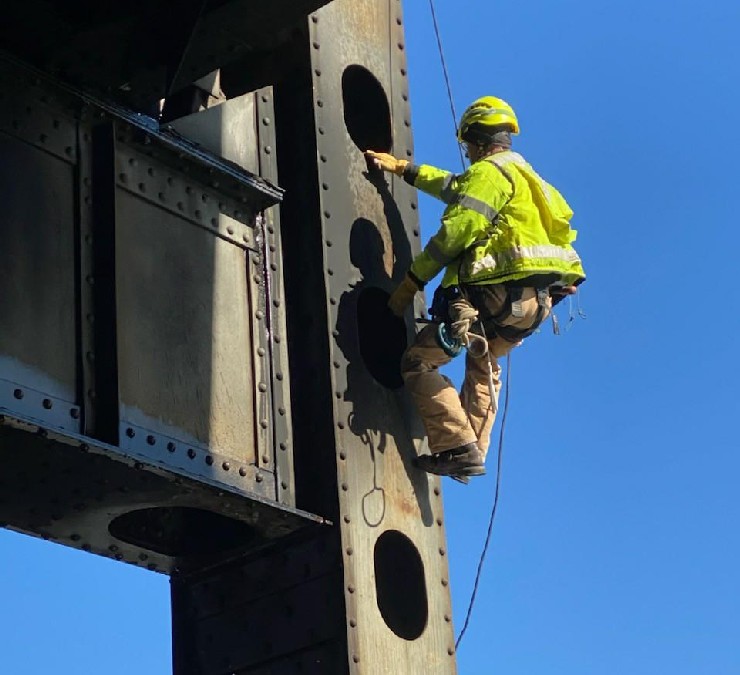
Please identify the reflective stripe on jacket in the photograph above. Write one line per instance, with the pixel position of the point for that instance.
(503, 222)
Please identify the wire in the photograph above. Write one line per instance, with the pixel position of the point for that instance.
(493, 510)
(446, 76)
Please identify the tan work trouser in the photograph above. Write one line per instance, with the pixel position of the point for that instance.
(451, 420)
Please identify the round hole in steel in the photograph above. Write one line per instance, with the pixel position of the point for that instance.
(400, 585)
(181, 531)
(382, 337)
(367, 114)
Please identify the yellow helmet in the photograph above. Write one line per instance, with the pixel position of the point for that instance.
(482, 118)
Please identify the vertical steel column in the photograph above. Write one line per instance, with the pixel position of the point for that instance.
(350, 235)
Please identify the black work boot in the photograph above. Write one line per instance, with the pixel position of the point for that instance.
(457, 463)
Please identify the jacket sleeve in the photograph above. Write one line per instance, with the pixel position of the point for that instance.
(478, 196)
(435, 182)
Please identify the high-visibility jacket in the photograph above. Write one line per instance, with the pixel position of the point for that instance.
(503, 222)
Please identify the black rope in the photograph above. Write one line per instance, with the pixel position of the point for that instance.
(495, 505)
(447, 77)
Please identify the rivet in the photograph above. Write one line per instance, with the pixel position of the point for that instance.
(262, 387)
(259, 315)
(230, 229)
(398, 20)
(171, 447)
(439, 522)
(416, 233)
(355, 658)
(138, 466)
(347, 519)
(142, 187)
(143, 557)
(226, 466)
(325, 186)
(260, 351)
(336, 364)
(263, 424)
(188, 190)
(318, 72)
(342, 456)
(242, 471)
(316, 45)
(151, 440)
(444, 582)
(267, 149)
(214, 222)
(322, 158)
(198, 215)
(180, 206)
(330, 272)
(283, 446)
(327, 214)
(281, 411)
(320, 103)
(345, 487)
(408, 152)
(403, 72)
(209, 460)
(353, 623)
(441, 551)
(130, 432)
(349, 550)
(150, 171)
(266, 121)
(191, 453)
(400, 45)
(328, 243)
(68, 151)
(75, 537)
(332, 301)
(450, 651)
(314, 18)
(436, 491)
(47, 403)
(340, 425)
(265, 459)
(413, 206)
(351, 588)
(74, 413)
(258, 478)
(283, 485)
(447, 618)
(278, 376)
(113, 548)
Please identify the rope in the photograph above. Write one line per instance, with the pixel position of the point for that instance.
(446, 76)
(495, 504)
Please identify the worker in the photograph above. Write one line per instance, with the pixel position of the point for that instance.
(505, 243)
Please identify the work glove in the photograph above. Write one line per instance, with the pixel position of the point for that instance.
(386, 162)
(403, 296)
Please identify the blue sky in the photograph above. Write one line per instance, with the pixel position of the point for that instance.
(615, 550)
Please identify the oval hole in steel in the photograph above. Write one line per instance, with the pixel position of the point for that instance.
(181, 531)
(382, 337)
(367, 114)
(400, 585)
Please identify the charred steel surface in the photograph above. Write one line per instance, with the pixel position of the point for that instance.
(141, 51)
(263, 614)
(92, 496)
